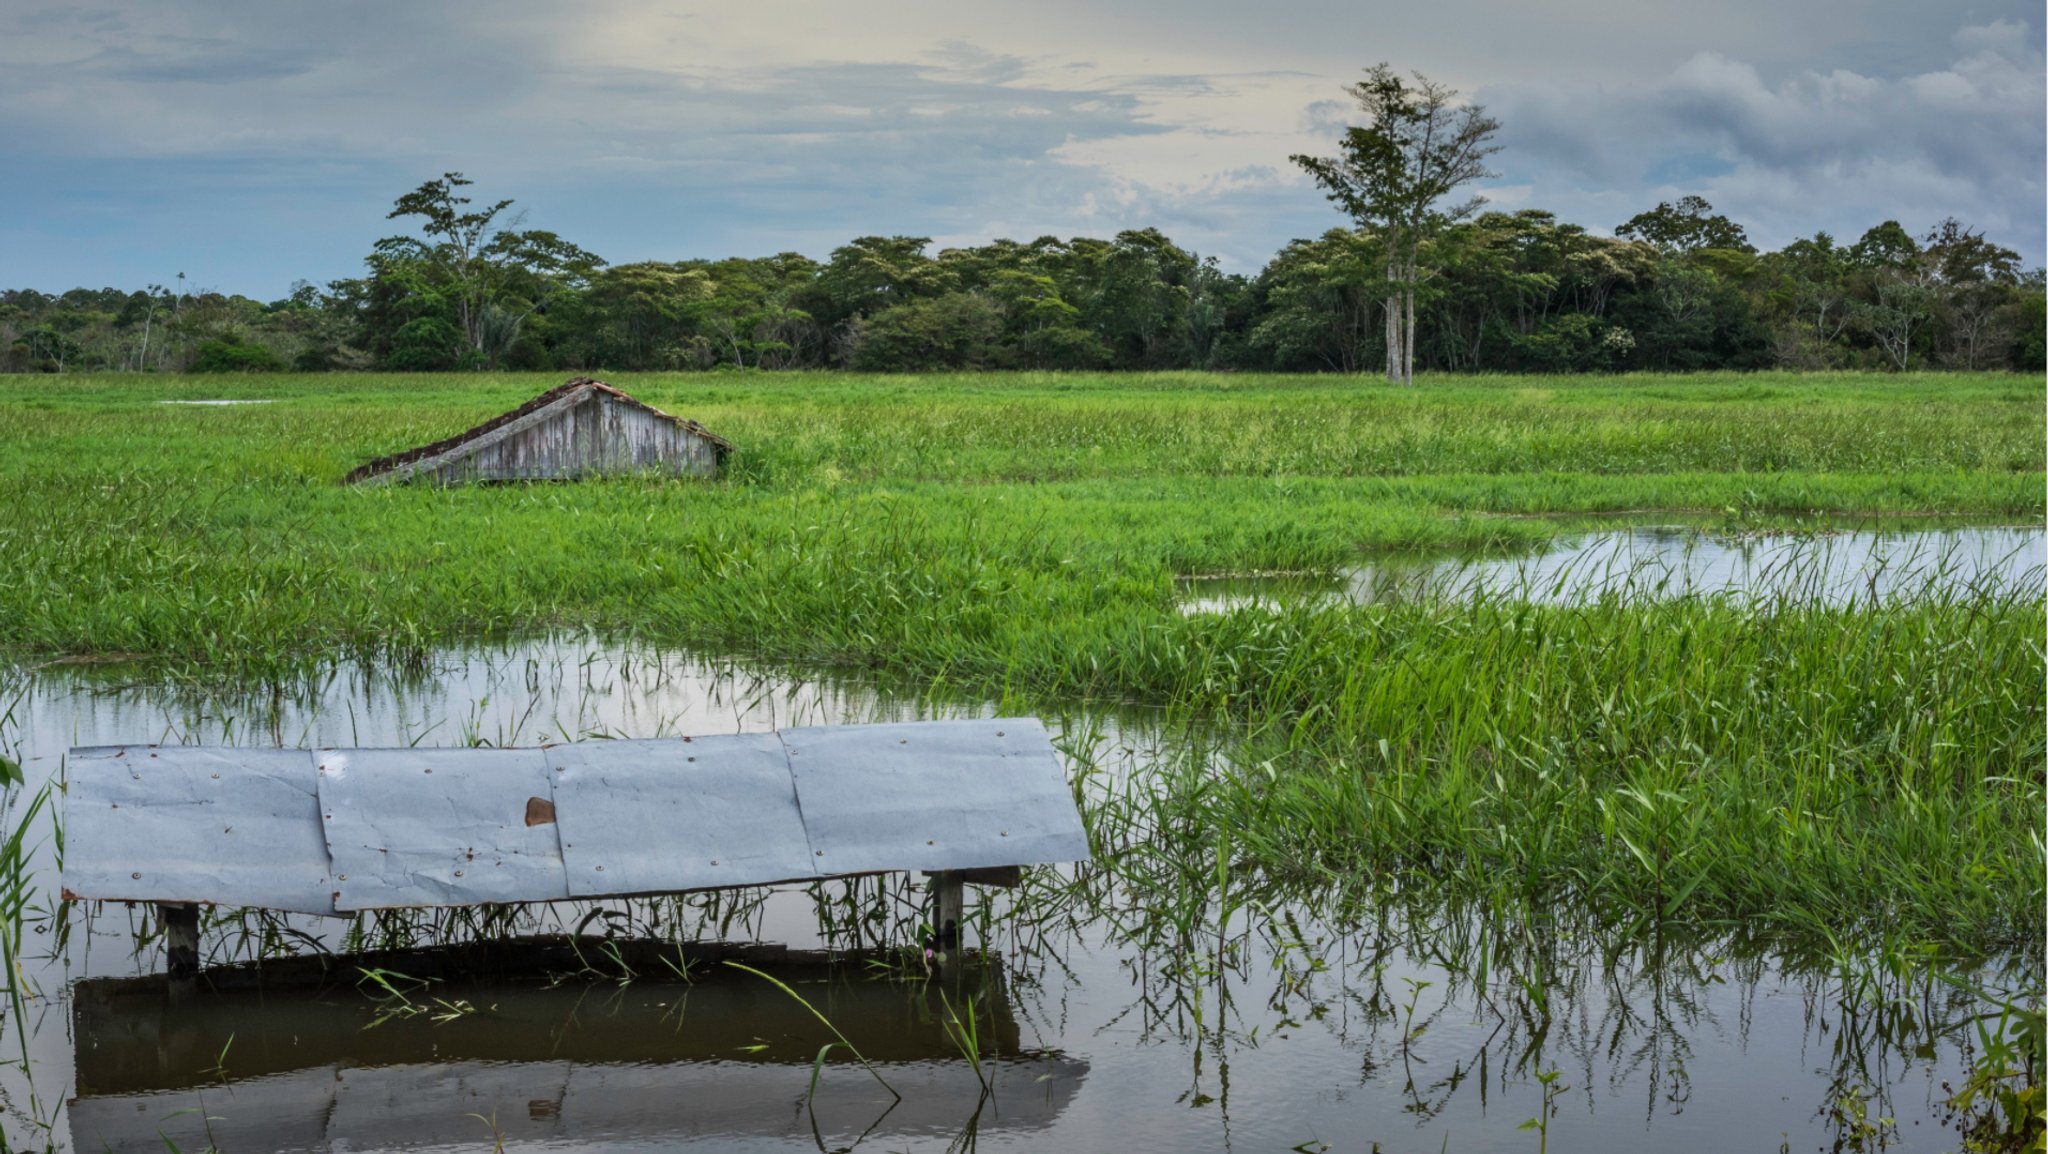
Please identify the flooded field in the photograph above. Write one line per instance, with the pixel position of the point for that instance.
(1128, 1005)
(1663, 562)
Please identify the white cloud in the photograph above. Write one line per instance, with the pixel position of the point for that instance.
(1838, 149)
(267, 139)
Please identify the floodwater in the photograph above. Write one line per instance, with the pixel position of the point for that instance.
(1100, 1022)
(1651, 562)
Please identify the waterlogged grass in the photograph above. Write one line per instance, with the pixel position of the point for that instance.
(1858, 776)
(1872, 771)
(218, 533)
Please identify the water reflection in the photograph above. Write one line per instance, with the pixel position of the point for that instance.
(703, 1052)
(1668, 562)
(1203, 1014)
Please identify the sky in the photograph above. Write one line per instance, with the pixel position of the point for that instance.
(251, 143)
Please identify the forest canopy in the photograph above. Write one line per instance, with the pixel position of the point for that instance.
(1676, 287)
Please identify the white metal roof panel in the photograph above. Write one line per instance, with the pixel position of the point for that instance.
(933, 795)
(346, 830)
(678, 814)
(439, 827)
(189, 823)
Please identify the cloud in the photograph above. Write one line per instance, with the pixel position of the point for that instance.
(252, 143)
(1839, 149)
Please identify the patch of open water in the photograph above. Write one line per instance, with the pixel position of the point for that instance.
(1288, 1028)
(1648, 562)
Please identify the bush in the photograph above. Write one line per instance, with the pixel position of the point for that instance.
(231, 354)
(955, 331)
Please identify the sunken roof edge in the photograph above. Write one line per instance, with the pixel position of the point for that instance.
(560, 392)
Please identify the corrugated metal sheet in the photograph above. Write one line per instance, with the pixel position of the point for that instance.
(439, 827)
(347, 830)
(935, 795)
(234, 827)
(667, 816)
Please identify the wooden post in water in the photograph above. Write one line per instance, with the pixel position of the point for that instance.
(948, 908)
(180, 921)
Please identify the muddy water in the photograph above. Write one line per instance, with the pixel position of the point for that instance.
(1673, 562)
(1101, 1027)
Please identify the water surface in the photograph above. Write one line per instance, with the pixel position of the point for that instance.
(1116, 1020)
(1650, 562)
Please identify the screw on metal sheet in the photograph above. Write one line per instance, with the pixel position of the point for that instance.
(689, 759)
(714, 861)
(903, 741)
(1006, 833)
(999, 733)
(138, 877)
(600, 869)
(117, 805)
(821, 853)
(341, 877)
(458, 873)
(427, 771)
(216, 777)
(929, 841)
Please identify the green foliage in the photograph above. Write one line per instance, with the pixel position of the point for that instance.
(954, 331)
(230, 354)
(1689, 226)
(2000, 1107)
(1495, 292)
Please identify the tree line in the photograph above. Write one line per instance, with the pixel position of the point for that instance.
(1418, 280)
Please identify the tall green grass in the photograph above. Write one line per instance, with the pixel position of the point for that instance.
(1785, 766)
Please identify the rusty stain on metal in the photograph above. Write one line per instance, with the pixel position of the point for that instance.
(583, 427)
(539, 811)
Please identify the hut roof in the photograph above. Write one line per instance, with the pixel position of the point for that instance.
(568, 391)
(341, 830)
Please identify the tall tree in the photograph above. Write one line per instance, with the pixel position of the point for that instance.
(493, 275)
(1418, 145)
(1685, 228)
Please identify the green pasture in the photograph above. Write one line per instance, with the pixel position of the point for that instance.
(1833, 772)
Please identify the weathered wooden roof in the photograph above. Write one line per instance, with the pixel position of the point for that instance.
(338, 831)
(562, 396)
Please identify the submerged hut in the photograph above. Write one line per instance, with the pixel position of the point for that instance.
(582, 428)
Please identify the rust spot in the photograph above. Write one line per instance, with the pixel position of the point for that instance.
(542, 1108)
(68, 895)
(539, 811)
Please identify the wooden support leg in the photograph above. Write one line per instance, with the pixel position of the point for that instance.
(948, 908)
(180, 921)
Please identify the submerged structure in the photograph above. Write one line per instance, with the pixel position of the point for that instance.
(582, 428)
(337, 832)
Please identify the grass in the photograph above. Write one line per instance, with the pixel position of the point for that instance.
(1867, 772)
